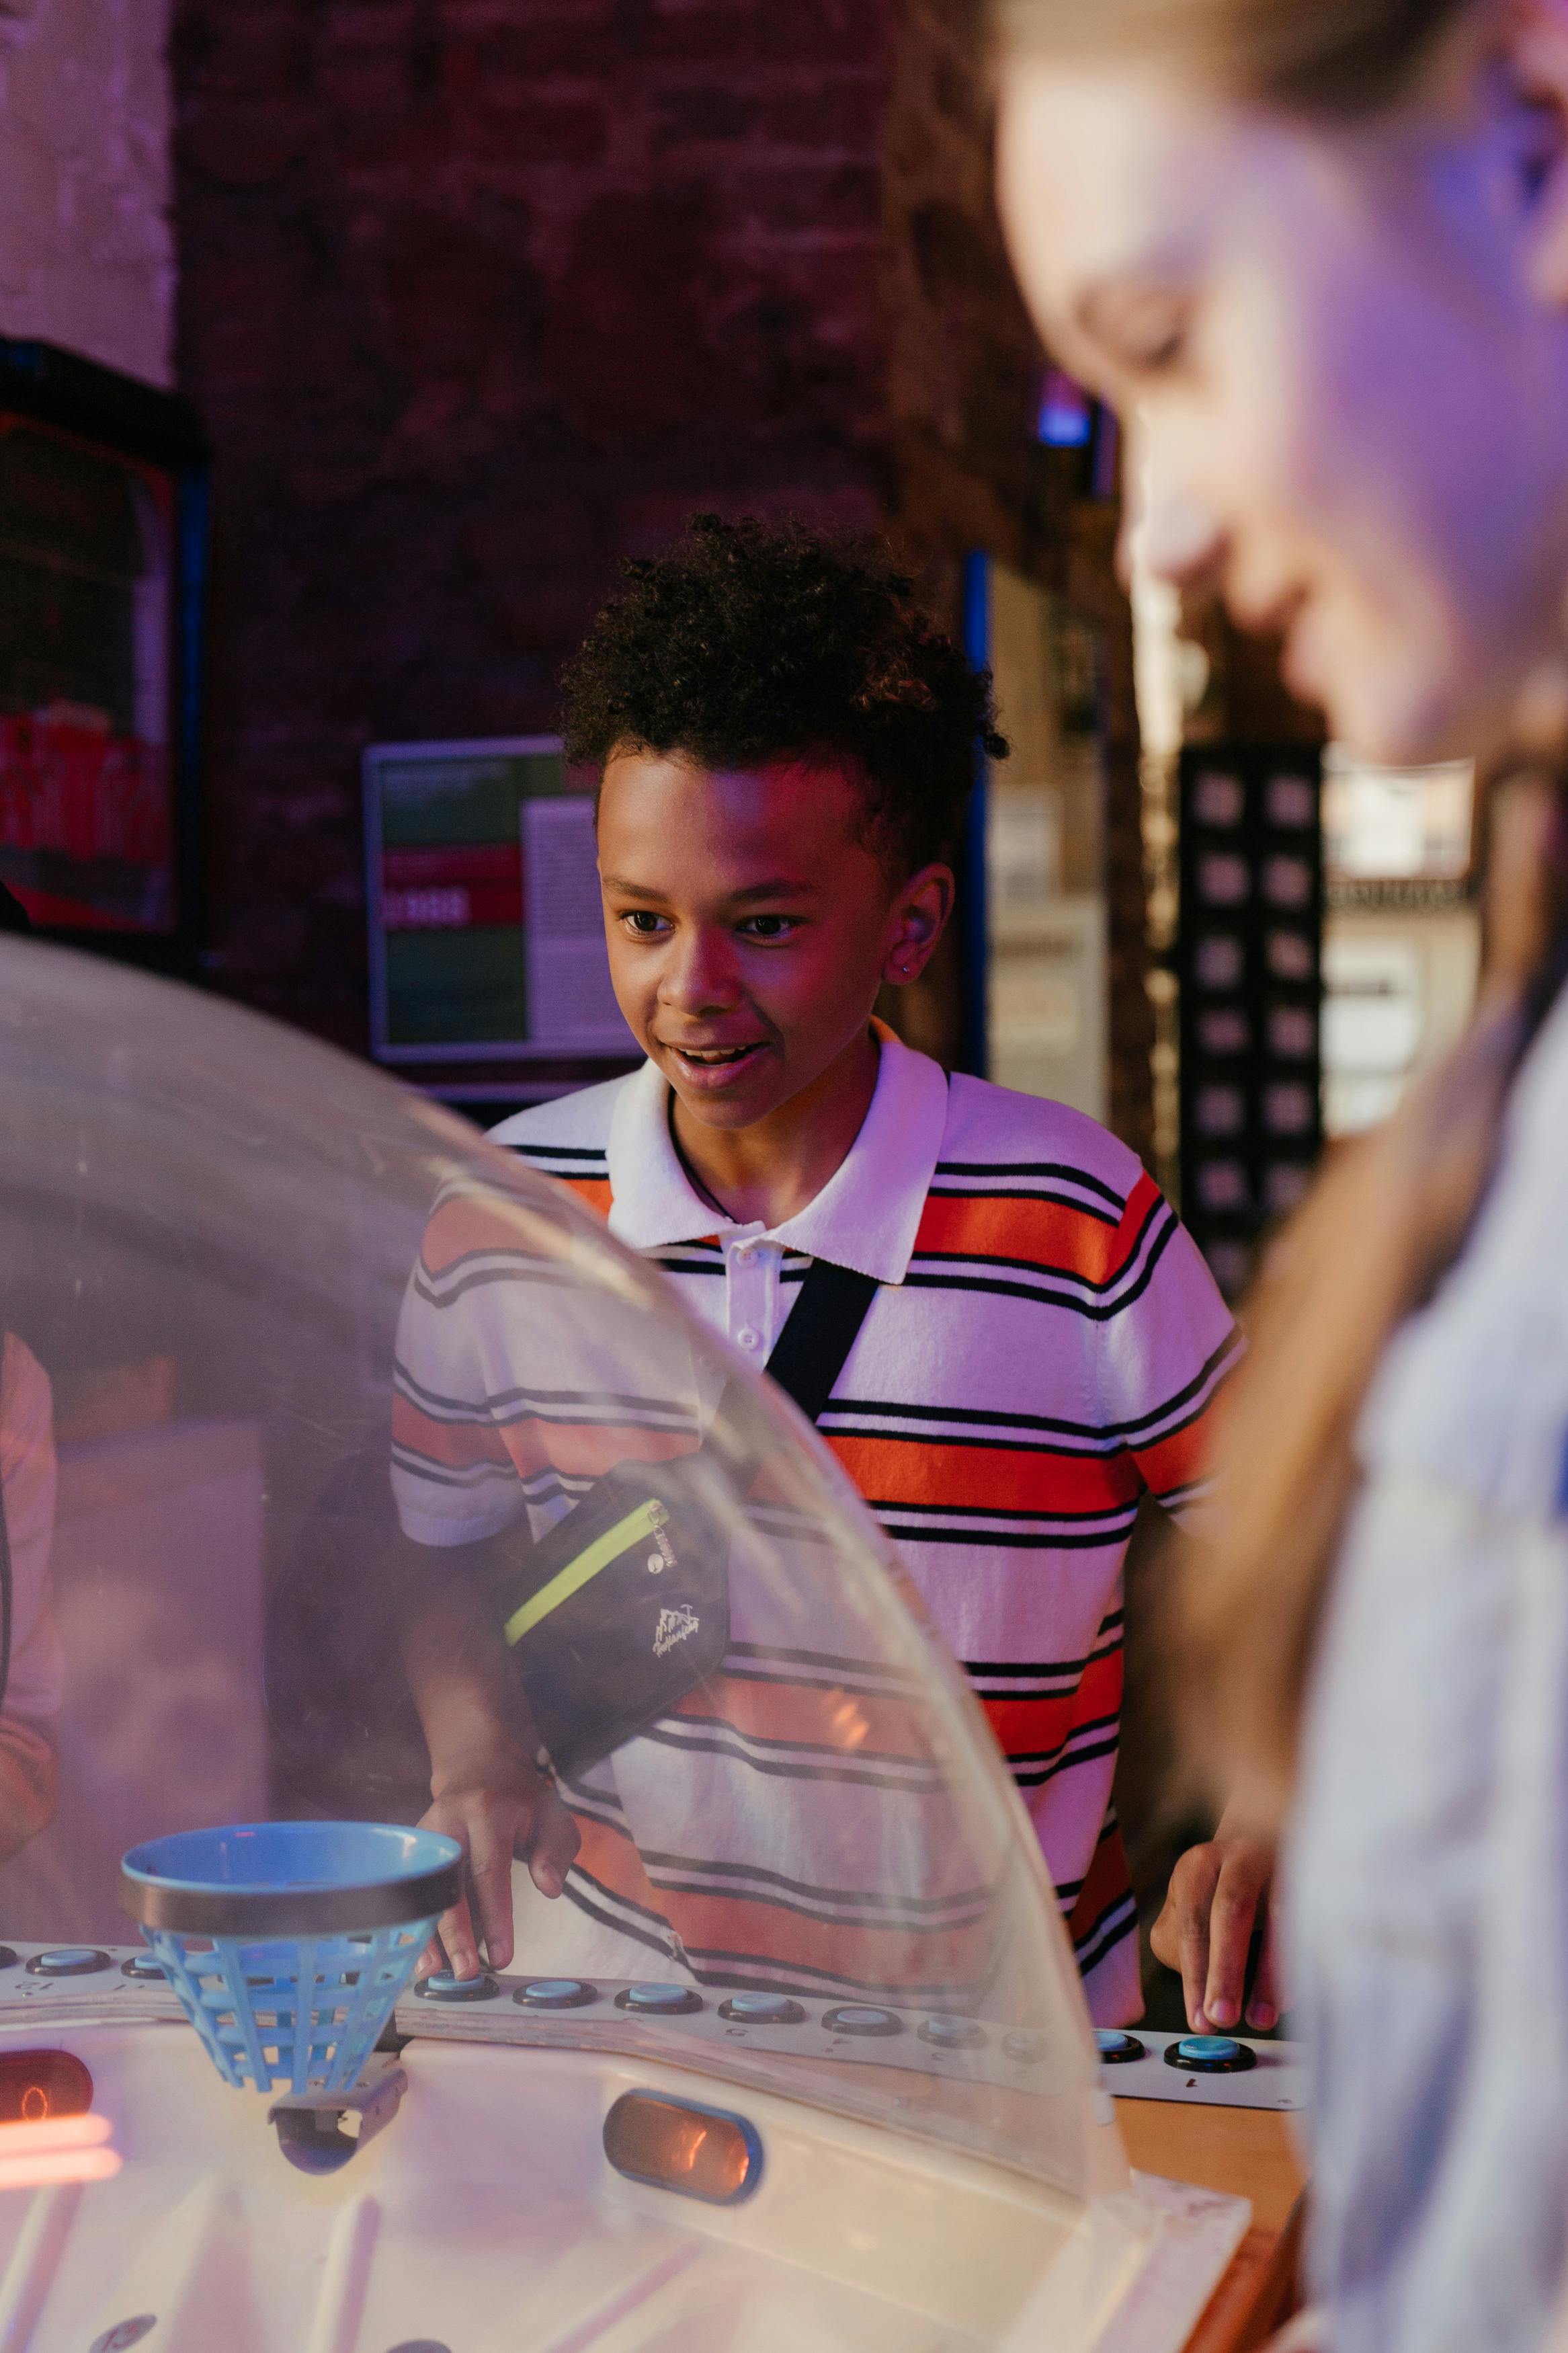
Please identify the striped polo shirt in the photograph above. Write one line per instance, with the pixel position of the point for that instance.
(1043, 1350)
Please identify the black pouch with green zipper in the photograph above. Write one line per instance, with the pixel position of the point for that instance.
(623, 1606)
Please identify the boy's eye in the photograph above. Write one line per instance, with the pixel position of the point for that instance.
(645, 922)
(768, 927)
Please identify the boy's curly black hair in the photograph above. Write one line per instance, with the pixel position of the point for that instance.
(746, 643)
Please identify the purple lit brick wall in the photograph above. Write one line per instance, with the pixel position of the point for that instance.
(479, 295)
(476, 296)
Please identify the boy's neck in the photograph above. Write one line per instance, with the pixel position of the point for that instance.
(768, 1172)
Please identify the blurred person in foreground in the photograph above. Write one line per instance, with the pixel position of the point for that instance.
(31, 1664)
(1316, 252)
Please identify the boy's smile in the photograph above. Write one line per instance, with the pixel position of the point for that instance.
(750, 928)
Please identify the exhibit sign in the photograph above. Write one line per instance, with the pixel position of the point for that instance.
(486, 938)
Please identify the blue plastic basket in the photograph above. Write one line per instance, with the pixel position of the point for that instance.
(288, 1943)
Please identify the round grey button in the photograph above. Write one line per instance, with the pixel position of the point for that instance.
(861, 2018)
(952, 2034)
(143, 1965)
(748, 1336)
(1028, 2050)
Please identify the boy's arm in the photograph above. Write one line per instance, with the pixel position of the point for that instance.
(485, 1790)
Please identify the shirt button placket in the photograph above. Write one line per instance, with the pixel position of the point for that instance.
(745, 1302)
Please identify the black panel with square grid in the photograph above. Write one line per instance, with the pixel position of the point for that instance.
(1250, 966)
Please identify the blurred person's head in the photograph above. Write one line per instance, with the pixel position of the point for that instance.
(786, 747)
(1316, 253)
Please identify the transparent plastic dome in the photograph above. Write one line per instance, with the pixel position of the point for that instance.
(276, 1298)
(798, 2057)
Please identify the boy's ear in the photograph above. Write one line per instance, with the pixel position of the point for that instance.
(916, 919)
(1528, 61)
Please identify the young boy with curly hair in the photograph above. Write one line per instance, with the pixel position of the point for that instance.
(786, 747)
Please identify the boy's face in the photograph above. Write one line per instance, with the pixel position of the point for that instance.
(749, 929)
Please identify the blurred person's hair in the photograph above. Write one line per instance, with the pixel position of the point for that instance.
(1390, 1212)
(1313, 56)
(745, 643)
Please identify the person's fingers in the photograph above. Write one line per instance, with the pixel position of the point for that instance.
(553, 1846)
(1231, 1918)
(491, 1837)
(1165, 1936)
(455, 1930)
(1263, 2009)
(1180, 1937)
(452, 1946)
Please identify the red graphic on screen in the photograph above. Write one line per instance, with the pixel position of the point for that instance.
(85, 582)
(453, 888)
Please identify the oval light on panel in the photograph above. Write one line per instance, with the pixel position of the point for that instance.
(37, 2084)
(677, 2144)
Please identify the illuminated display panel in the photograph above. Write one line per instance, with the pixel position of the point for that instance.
(487, 933)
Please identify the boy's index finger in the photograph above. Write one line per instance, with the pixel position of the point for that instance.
(455, 1930)
(489, 1879)
(1230, 1941)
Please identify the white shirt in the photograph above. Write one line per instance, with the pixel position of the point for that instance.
(1428, 1887)
(1043, 1348)
(865, 1217)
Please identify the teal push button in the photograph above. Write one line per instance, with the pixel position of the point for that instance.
(1211, 2054)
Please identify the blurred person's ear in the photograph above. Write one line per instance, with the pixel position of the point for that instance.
(1526, 64)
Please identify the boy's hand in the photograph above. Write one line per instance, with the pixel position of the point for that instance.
(495, 1814)
(1205, 1931)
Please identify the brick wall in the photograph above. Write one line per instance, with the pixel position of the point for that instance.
(476, 296)
(86, 249)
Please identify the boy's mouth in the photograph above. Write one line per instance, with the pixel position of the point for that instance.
(702, 1061)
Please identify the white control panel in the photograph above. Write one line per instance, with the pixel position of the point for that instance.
(43, 1986)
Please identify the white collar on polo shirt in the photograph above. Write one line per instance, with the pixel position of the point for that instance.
(866, 1216)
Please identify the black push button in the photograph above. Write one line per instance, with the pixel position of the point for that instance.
(556, 1993)
(762, 2010)
(659, 2000)
(69, 1961)
(441, 1985)
(861, 2018)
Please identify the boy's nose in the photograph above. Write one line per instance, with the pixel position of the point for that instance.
(703, 979)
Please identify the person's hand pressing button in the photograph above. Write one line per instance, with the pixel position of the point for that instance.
(1218, 1899)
